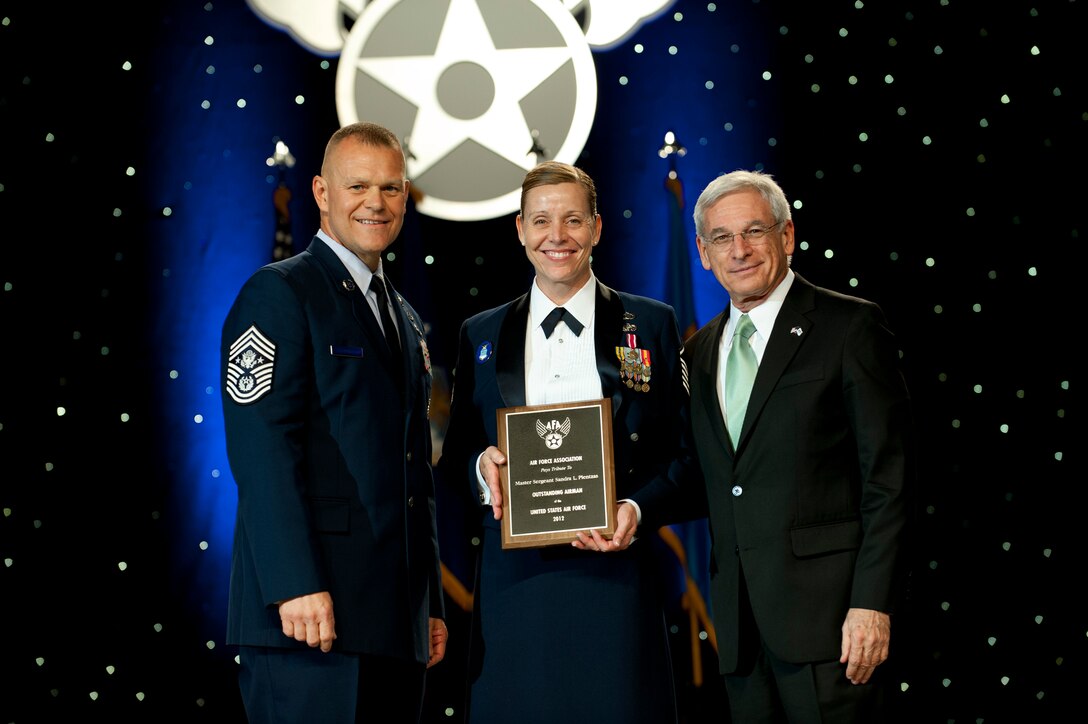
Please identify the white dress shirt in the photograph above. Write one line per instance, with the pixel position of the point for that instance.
(563, 367)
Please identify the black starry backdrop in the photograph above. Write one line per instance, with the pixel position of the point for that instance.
(932, 151)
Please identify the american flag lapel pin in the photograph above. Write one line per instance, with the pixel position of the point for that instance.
(797, 331)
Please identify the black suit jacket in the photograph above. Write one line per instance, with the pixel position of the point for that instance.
(331, 460)
(812, 507)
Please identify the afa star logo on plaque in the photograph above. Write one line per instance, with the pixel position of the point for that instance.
(553, 432)
(478, 91)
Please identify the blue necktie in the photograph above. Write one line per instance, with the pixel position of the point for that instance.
(377, 284)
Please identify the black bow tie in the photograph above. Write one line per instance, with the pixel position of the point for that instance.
(548, 325)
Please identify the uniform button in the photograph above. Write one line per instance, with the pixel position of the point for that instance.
(634, 437)
(409, 457)
(737, 490)
(411, 501)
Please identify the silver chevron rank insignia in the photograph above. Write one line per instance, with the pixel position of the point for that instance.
(250, 364)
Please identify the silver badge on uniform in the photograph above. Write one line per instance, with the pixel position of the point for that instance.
(249, 367)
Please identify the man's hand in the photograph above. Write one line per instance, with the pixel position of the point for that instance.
(309, 618)
(866, 635)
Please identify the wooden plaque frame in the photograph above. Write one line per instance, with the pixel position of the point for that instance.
(559, 476)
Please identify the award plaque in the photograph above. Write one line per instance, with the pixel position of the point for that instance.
(559, 472)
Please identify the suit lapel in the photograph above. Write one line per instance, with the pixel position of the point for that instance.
(607, 330)
(510, 353)
(786, 338)
(410, 330)
(705, 377)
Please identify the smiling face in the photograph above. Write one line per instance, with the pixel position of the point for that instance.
(559, 230)
(362, 194)
(749, 272)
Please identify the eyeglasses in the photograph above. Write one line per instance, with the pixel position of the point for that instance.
(756, 236)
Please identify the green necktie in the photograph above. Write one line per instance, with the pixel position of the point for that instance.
(740, 373)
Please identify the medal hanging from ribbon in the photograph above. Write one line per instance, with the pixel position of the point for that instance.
(635, 365)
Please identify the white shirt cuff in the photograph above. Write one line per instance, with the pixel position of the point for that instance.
(485, 492)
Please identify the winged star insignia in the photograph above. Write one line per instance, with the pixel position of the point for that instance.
(553, 432)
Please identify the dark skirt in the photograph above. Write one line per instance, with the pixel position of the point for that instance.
(563, 635)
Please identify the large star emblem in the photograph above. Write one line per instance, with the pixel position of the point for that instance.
(474, 92)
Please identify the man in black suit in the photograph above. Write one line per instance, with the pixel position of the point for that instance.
(808, 487)
(335, 591)
(564, 635)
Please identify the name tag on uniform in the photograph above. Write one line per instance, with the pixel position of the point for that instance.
(339, 350)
